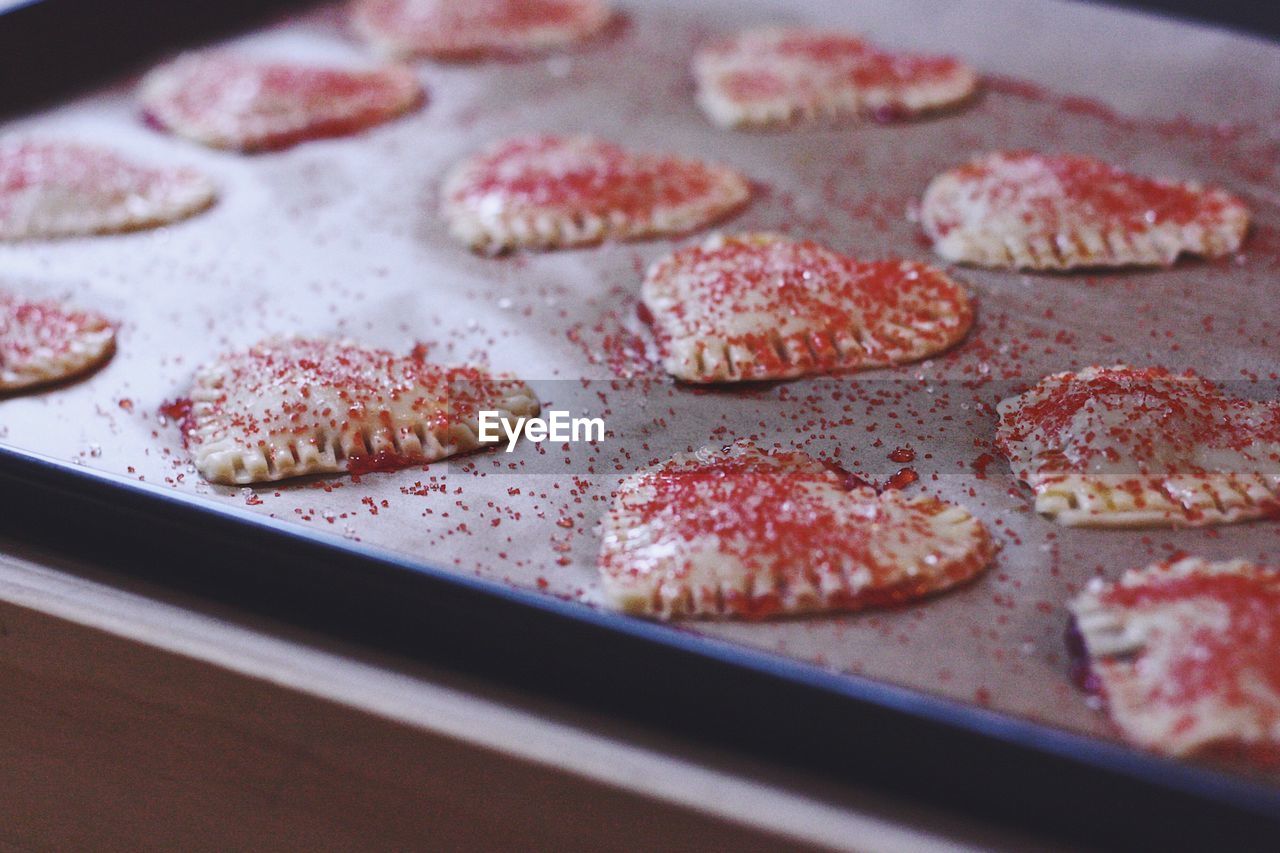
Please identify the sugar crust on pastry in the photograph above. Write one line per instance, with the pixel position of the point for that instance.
(1133, 447)
(289, 407)
(740, 532)
(778, 76)
(468, 29)
(548, 191)
(43, 342)
(1187, 654)
(763, 306)
(227, 101)
(51, 189)
(1025, 210)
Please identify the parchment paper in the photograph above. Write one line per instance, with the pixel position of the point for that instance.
(341, 237)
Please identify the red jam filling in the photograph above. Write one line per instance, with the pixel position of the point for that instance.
(382, 461)
(179, 412)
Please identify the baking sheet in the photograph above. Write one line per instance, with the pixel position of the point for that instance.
(340, 237)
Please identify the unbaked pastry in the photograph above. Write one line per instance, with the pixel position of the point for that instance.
(1187, 654)
(762, 306)
(1127, 447)
(228, 101)
(776, 75)
(554, 191)
(59, 189)
(740, 532)
(1023, 210)
(43, 342)
(467, 29)
(294, 406)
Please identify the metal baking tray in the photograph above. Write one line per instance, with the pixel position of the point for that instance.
(487, 561)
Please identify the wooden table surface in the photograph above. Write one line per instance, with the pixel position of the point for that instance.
(138, 718)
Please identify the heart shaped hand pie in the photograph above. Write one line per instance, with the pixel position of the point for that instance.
(42, 342)
(1024, 210)
(761, 306)
(55, 189)
(554, 191)
(227, 101)
(778, 76)
(454, 29)
(1123, 447)
(743, 533)
(291, 407)
(1187, 654)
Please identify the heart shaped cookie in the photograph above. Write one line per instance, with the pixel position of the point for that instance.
(739, 532)
(1123, 447)
(553, 191)
(466, 29)
(290, 407)
(1023, 210)
(777, 75)
(761, 306)
(43, 342)
(227, 101)
(57, 189)
(1187, 655)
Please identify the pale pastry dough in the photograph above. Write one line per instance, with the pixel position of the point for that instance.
(58, 189)
(228, 101)
(776, 75)
(1127, 447)
(1023, 210)
(550, 192)
(1187, 654)
(466, 29)
(762, 306)
(739, 532)
(44, 342)
(293, 406)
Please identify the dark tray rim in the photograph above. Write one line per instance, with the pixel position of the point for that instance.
(1034, 770)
